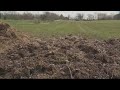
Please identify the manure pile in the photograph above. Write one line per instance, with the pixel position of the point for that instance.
(68, 57)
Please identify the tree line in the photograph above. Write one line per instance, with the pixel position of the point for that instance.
(53, 16)
(98, 16)
(29, 16)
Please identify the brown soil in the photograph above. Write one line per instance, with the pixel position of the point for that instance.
(69, 57)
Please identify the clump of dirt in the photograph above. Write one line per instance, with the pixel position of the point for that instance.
(4, 26)
(69, 57)
(7, 31)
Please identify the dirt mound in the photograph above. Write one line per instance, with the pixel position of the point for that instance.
(69, 57)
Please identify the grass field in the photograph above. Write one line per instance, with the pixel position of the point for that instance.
(96, 29)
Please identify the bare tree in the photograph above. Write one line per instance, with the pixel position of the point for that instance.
(117, 17)
(68, 17)
(27, 16)
(90, 17)
(102, 16)
(61, 16)
(110, 17)
(79, 16)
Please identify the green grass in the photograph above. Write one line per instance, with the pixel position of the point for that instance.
(96, 29)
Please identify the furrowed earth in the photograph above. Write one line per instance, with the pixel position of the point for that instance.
(69, 57)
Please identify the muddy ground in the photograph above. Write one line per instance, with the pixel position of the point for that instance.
(69, 57)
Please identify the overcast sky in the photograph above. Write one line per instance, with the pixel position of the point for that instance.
(72, 13)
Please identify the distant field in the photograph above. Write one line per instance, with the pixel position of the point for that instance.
(96, 29)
